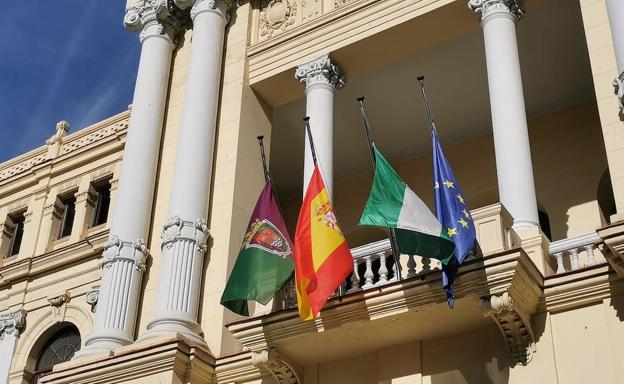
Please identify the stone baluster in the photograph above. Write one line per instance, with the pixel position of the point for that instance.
(186, 233)
(125, 254)
(411, 266)
(321, 77)
(368, 274)
(559, 258)
(511, 135)
(574, 259)
(591, 258)
(426, 264)
(383, 269)
(355, 276)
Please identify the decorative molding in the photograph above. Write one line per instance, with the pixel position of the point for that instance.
(13, 323)
(58, 305)
(92, 297)
(154, 18)
(342, 3)
(489, 9)
(618, 85)
(283, 371)
(276, 16)
(100, 134)
(116, 249)
(194, 231)
(514, 325)
(320, 72)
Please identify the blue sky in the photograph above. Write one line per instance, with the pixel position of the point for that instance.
(61, 60)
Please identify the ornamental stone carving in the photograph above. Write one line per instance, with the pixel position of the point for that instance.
(276, 16)
(514, 325)
(283, 371)
(341, 3)
(58, 305)
(92, 297)
(493, 8)
(116, 249)
(177, 229)
(13, 323)
(320, 72)
(618, 85)
(154, 18)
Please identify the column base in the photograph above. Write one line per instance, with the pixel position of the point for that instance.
(101, 344)
(524, 224)
(190, 330)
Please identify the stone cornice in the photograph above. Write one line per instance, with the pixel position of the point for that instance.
(489, 9)
(154, 18)
(320, 72)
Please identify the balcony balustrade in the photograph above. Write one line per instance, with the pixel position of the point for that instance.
(575, 253)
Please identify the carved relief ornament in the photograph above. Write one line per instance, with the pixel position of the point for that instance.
(492, 8)
(618, 85)
(116, 249)
(283, 371)
(276, 16)
(194, 231)
(154, 18)
(12, 323)
(320, 72)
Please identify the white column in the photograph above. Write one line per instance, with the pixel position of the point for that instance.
(321, 77)
(125, 254)
(185, 234)
(615, 8)
(11, 325)
(511, 136)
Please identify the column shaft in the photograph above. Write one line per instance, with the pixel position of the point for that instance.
(321, 77)
(185, 234)
(511, 136)
(125, 254)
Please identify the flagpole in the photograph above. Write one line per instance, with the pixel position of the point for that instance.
(371, 148)
(267, 175)
(423, 90)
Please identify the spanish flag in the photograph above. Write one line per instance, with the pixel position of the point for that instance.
(322, 257)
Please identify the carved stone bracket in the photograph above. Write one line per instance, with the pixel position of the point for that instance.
(177, 229)
(283, 371)
(58, 305)
(276, 16)
(514, 324)
(92, 297)
(489, 9)
(320, 72)
(13, 323)
(613, 249)
(154, 18)
(618, 85)
(116, 249)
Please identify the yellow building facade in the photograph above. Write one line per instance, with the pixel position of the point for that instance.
(118, 239)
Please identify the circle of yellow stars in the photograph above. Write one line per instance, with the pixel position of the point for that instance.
(452, 231)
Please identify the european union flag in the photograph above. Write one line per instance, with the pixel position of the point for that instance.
(453, 214)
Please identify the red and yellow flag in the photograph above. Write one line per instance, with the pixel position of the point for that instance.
(322, 257)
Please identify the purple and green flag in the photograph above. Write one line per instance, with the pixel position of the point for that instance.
(265, 261)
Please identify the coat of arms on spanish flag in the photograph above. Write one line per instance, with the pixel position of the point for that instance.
(322, 257)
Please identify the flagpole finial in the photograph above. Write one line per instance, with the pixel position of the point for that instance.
(310, 139)
(260, 137)
(421, 78)
(306, 119)
(265, 168)
(360, 99)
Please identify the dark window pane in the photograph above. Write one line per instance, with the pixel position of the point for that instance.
(67, 221)
(18, 233)
(103, 203)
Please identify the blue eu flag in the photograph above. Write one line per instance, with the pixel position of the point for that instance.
(453, 214)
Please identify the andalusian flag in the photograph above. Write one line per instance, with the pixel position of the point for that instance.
(264, 263)
(393, 204)
(322, 257)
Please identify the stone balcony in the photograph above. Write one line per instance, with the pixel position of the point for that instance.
(500, 283)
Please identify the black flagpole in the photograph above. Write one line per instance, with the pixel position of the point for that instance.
(371, 147)
(423, 90)
(267, 175)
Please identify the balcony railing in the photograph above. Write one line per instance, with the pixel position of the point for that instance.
(576, 252)
(374, 263)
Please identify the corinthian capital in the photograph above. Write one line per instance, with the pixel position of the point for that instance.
(320, 72)
(13, 323)
(618, 85)
(489, 9)
(154, 18)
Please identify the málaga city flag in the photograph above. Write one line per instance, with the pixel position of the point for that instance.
(393, 204)
(322, 257)
(264, 263)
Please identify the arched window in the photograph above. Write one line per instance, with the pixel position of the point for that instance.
(58, 349)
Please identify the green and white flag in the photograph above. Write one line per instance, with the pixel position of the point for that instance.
(392, 204)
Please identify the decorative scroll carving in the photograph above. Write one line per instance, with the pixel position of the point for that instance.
(92, 297)
(320, 72)
(283, 371)
(341, 3)
(194, 231)
(618, 85)
(13, 323)
(116, 249)
(58, 304)
(489, 8)
(276, 16)
(513, 324)
(154, 18)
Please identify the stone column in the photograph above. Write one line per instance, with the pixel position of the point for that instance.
(125, 254)
(321, 77)
(511, 136)
(186, 232)
(11, 325)
(615, 8)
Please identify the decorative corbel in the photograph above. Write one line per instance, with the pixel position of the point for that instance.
(283, 371)
(92, 297)
(58, 304)
(514, 325)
